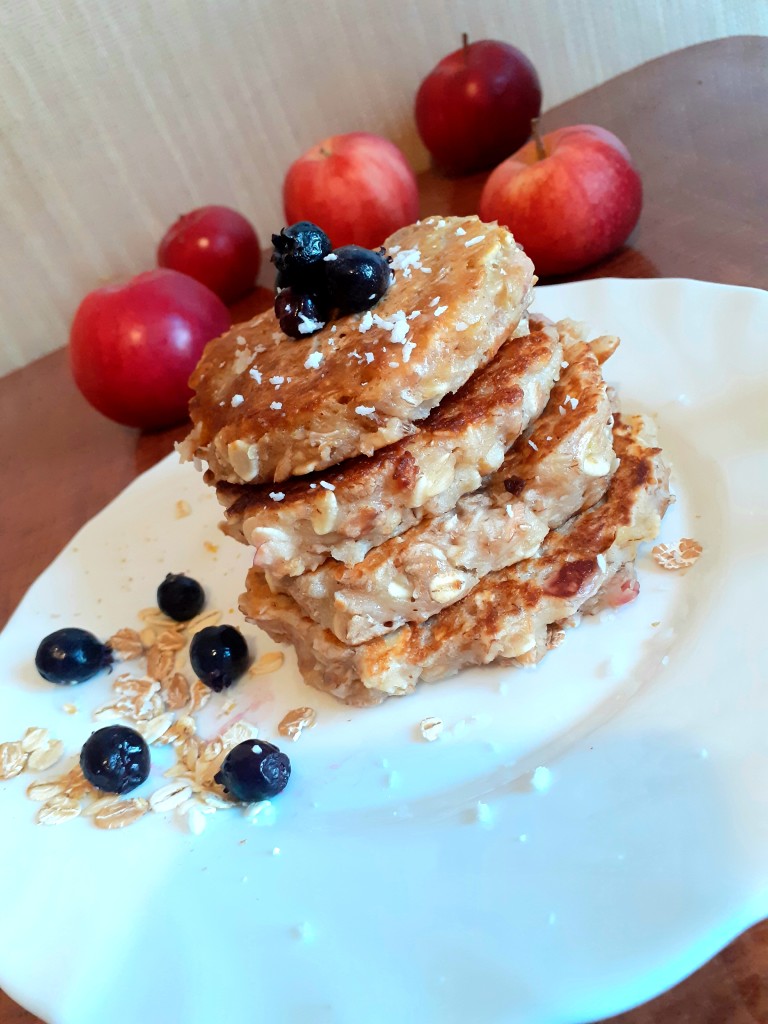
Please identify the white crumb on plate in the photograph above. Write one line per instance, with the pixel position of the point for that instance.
(541, 779)
(483, 814)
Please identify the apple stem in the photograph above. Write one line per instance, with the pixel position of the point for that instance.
(465, 44)
(541, 153)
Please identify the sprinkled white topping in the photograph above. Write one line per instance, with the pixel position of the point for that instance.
(368, 357)
(277, 381)
(440, 310)
(313, 360)
(460, 231)
(541, 779)
(414, 314)
(372, 296)
(328, 487)
(330, 257)
(366, 322)
(256, 374)
(395, 249)
(406, 260)
(313, 487)
(277, 495)
(601, 562)
(510, 513)
(534, 446)
(441, 223)
(236, 400)
(365, 410)
(434, 302)
(333, 329)
(408, 347)
(394, 365)
(561, 410)
(665, 660)
(565, 364)
(460, 325)
(574, 402)
(308, 325)
(474, 241)
(240, 339)
(397, 325)
(275, 405)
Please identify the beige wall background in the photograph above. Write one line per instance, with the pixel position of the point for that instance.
(117, 115)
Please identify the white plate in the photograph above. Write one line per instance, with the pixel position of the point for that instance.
(388, 899)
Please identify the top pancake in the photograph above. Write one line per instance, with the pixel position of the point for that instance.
(267, 407)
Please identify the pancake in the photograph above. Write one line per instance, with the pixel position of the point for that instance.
(346, 511)
(510, 614)
(562, 464)
(267, 407)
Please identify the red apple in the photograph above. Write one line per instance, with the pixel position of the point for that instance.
(358, 188)
(569, 198)
(133, 345)
(476, 106)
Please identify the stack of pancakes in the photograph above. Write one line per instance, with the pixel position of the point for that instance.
(439, 482)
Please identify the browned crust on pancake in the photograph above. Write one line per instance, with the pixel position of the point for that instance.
(486, 289)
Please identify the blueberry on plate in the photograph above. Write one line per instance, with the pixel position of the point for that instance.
(71, 655)
(219, 656)
(356, 279)
(299, 315)
(298, 252)
(115, 759)
(180, 597)
(254, 770)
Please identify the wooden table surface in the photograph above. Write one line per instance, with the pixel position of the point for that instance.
(696, 123)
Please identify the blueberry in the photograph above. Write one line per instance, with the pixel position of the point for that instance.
(71, 655)
(254, 770)
(180, 597)
(219, 656)
(299, 315)
(115, 759)
(299, 250)
(356, 279)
